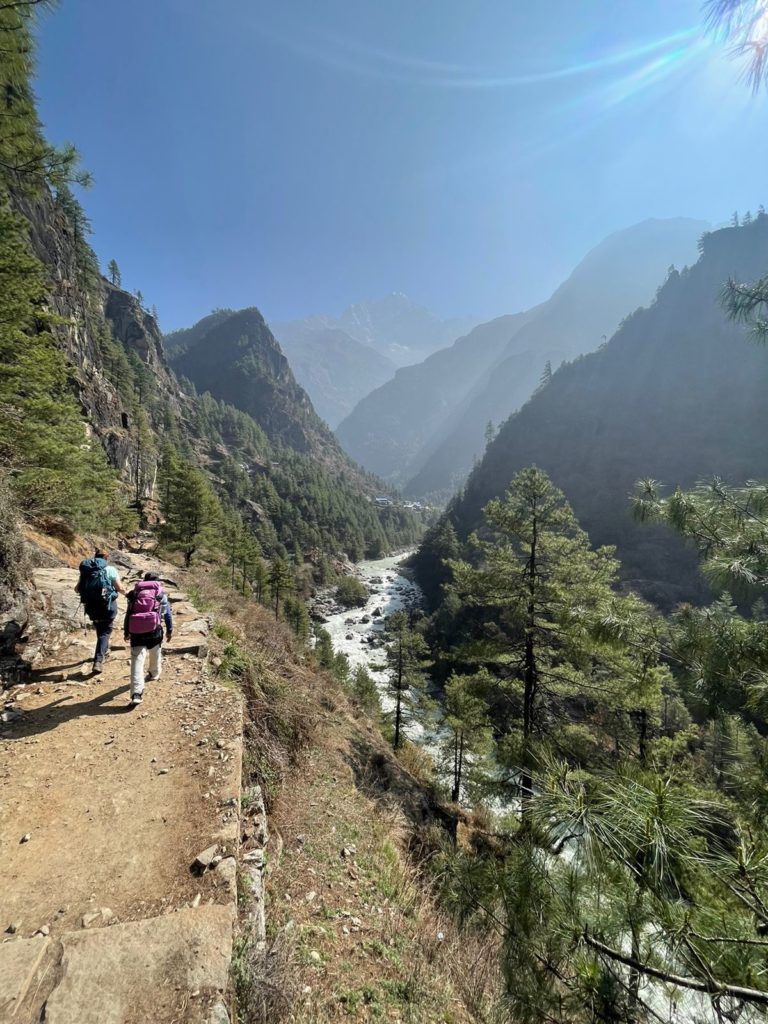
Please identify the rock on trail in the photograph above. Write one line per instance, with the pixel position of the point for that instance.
(101, 917)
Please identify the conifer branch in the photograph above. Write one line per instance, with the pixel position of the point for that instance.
(714, 987)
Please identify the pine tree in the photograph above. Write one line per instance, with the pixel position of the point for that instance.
(28, 163)
(541, 585)
(742, 24)
(297, 616)
(280, 582)
(407, 659)
(114, 273)
(190, 507)
(464, 717)
(260, 576)
(365, 691)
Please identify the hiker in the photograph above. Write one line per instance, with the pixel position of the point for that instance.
(148, 608)
(98, 587)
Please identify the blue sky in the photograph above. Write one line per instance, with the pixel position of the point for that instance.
(303, 155)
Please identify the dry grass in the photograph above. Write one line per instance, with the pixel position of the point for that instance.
(353, 931)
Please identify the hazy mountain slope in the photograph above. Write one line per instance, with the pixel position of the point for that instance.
(335, 370)
(389, 429)
(616, 277)
(395, 325)
(677, 394)
(238, 361)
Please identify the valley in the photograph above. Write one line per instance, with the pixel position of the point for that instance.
(389, 663)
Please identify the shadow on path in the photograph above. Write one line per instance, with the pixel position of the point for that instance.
(58, 712)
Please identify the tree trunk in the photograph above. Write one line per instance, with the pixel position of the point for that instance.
(456, 769)
(643, 738)
(529, 673)
(399, 698)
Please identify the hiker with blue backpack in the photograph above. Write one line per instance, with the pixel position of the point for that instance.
(148, 609)
(98, 587)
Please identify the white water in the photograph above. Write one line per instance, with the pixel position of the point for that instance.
(394, 592)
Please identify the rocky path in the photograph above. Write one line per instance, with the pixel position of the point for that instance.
(103, 810)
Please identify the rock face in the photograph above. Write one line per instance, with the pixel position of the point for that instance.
(19, 963)
(94, 315)
(136, 329)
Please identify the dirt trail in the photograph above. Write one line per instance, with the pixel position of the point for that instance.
(103, 809)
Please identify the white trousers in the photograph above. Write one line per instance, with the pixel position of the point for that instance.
(137, 666)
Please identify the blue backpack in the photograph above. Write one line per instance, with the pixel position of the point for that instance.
(96, 591)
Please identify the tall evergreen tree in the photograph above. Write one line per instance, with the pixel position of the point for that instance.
(407, 660)
(114, 273)
(190, 507)
(542, 589)
(467, 731)
(280, 582)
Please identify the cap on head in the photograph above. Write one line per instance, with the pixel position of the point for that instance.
(151, 576)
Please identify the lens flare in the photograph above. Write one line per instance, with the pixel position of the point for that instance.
(349, 55)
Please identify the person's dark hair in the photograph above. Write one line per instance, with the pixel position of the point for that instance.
(98, 553)
(151, 576)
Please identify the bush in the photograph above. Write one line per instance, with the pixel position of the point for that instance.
(365, 692)
(351, 592)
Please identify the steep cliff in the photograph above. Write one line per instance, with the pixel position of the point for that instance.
(104, 332)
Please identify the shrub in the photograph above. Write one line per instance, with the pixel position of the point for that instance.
(351, 592)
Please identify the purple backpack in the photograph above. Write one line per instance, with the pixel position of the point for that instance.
(144, 616)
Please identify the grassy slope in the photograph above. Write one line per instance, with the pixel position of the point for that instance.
(350, 937)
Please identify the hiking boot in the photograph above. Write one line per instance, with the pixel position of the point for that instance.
(98, 667)
(135, 699)
(151, 677)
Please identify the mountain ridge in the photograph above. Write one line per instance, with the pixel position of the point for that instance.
(677, 394)
(615, 277)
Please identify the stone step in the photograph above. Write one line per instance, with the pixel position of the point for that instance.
(162, 969)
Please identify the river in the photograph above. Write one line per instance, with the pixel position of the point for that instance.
(362, 642)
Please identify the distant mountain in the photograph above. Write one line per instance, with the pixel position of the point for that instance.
(392, 428)
(238, 360)
(620, 274)
(677, 394)
(335, 369)
(395, 326)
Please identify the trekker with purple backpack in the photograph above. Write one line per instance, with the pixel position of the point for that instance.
(148, 608)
